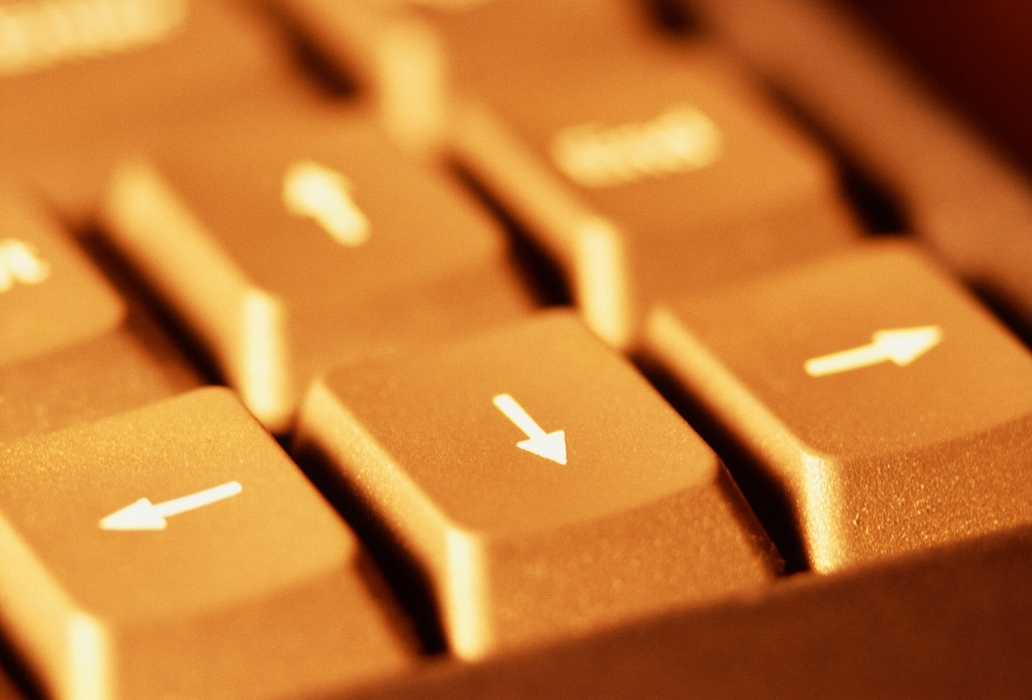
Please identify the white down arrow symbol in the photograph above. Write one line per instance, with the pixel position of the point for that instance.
(548, 445)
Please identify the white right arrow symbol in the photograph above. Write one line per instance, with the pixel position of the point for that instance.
(900, 345)
(548, 445)
(144, 515)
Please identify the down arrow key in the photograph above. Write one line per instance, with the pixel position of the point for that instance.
(516, 549)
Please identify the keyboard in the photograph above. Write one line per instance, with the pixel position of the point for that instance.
(504, 349)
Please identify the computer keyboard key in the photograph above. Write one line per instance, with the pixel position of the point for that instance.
(290, 242)
(543, 488)
(50, 294)
(71, 69)
(82, 79)
(71, 349)
(891, 410)
(175, 551)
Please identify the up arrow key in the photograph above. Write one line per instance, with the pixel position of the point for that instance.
(900, 346)
(548, 445)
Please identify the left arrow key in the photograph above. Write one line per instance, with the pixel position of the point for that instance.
(245, 578)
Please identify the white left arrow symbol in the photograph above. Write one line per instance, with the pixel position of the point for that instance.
(144, 515)
(548, 445)
(899, 345)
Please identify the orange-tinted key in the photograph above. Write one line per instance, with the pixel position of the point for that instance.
(291, 243)
(76, 74)
(890, 408)
(539, 482)
(175, 551)
(642, 168)
(50, 296)
(69, 350)
(70, 69)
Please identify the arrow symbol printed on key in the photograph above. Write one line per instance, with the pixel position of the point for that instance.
(144, 515)
(548, 445)
(898, 345)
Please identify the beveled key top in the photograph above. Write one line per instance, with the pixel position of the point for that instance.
(50, 295)
(641, 168)
(70, 350)
(888, 406)
(175, 551)
(68, 68)
(80, 77)
(291, 242)
(539, 482)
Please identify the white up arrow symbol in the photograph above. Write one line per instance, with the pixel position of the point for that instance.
(900, 345)
(548, 445)
(144, 515)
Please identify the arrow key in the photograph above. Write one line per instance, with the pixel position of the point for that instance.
(275, 235)
(886, 405)
(537, 482)
(176, 551)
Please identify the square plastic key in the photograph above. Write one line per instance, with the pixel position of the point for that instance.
(69, 346)
(885, 404)
(78, 77)
(70, 68)
(50, 294)
(175, 551)
(289, 242)
(541, 485)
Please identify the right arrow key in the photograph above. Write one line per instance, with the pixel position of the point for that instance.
(872, 406)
